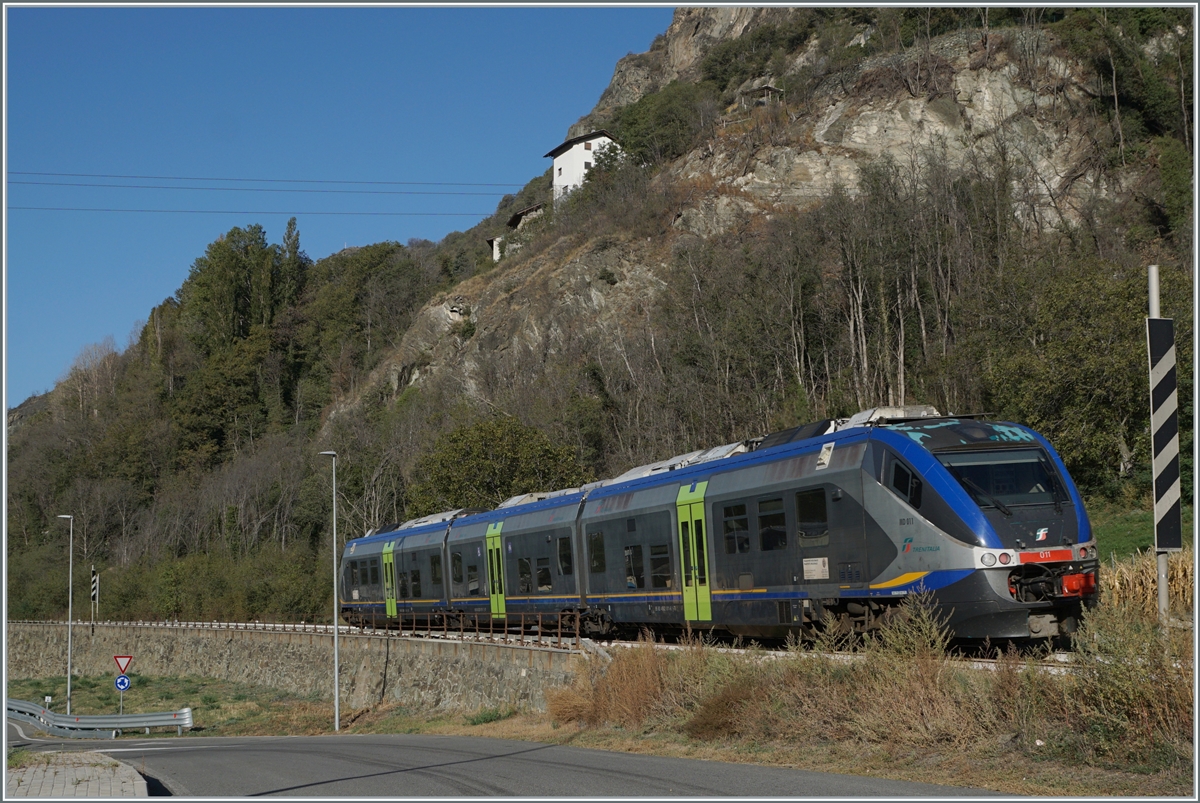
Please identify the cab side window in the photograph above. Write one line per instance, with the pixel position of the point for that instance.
(904, 483)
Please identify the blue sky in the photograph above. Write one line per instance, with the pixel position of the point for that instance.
(449, 95)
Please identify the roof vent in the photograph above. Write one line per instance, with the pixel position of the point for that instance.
(881, 415)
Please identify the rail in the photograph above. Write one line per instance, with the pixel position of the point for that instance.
(95, 725)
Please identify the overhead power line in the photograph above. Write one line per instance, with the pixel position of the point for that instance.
(265, 180)
(248, 189)
(248, 212)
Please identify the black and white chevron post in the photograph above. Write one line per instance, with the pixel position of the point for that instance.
(1164, 439)
(1164, 434)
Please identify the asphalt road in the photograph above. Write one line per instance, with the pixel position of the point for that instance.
(404, 765)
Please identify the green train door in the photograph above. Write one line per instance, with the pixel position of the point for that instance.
(693, 553)
(389, 578)
(495, 569)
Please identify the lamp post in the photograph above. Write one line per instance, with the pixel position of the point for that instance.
(70, 602)
(336, 717)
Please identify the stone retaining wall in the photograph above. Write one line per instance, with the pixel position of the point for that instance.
(422, 674)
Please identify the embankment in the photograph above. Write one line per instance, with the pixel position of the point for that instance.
(423, 674)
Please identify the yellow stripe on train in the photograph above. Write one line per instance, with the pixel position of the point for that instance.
(904, 579)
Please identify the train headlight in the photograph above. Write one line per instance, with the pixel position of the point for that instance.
(1005, 558)
(988, 559)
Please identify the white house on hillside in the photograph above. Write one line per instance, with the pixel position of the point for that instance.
(575, 157)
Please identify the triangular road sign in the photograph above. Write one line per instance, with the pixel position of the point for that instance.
(122, 662)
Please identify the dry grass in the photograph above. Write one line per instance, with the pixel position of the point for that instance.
(1134, 581)
(1127, 708)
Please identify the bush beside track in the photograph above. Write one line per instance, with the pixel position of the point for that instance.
(1128, 706)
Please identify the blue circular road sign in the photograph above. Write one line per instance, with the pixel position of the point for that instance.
(122, 683)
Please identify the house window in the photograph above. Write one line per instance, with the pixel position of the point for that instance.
(560, 171)
(587, 165)
(587, 146)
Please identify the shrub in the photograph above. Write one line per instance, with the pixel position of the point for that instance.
(486, 715)
(664, 125)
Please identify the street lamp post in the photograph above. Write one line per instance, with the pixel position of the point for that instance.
(70, 602)
(336, 712)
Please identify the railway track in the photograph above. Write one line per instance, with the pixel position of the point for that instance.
(528, 636)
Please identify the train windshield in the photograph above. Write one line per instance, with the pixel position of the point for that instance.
(1003, 478)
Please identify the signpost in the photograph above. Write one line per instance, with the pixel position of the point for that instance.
(95, 597)
(1164, 438)
(122, 682)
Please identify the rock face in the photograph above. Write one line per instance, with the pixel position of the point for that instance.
(539, 307)
(974, 110)
(1016, 97)
(674, 56)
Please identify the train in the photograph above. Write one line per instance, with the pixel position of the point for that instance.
(831, 524)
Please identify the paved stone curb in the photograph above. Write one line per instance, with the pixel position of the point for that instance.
(74, 774)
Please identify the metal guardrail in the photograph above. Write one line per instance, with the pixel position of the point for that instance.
(65, 733)
(96, 725)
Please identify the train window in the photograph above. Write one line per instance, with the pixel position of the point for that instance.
(401, 584)
(701, 563)
(772, 531)
(737, 529)
(812, 517)
(472, 580)
(493, 573)
(906, 484)
(596, 552)
(374, 572)
(544, 581)
(353, 572)
(416, 582)
(635, 576)
(565, 564)
(524, 577)
(456, 566)
(660, 566)
(687, 554)
(435, 568)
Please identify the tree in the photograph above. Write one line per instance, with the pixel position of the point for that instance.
(483, 464)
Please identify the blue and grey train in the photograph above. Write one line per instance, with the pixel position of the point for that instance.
(831, 523)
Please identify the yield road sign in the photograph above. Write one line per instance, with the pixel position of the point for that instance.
(122, 662)
(122, 683)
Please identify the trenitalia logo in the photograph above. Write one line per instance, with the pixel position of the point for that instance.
(908, 547)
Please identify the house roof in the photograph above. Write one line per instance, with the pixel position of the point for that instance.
(516, 217)
(566, 146)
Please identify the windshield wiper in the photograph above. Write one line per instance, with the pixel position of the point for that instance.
(977, 492)
(1053, 483)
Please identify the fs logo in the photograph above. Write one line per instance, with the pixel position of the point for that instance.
(1042, 533)
(907, 544)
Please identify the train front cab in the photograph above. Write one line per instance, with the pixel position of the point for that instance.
(1002, 490)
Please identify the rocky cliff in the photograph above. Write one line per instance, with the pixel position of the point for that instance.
(1014, 96)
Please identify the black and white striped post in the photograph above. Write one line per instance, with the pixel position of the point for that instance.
(1164, 438)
